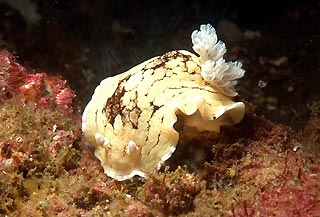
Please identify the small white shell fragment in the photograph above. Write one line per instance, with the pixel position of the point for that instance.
(130, 118)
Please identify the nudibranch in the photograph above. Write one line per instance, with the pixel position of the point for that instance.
(130, 118)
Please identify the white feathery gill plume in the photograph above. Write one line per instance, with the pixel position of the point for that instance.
(215, 70)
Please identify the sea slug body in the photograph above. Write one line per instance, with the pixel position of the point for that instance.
(130, 118)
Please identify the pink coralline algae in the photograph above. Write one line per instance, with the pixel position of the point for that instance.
(40, 88)
(284, 180)
(11, 75)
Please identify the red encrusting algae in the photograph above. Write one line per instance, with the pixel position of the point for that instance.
(41, 89)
